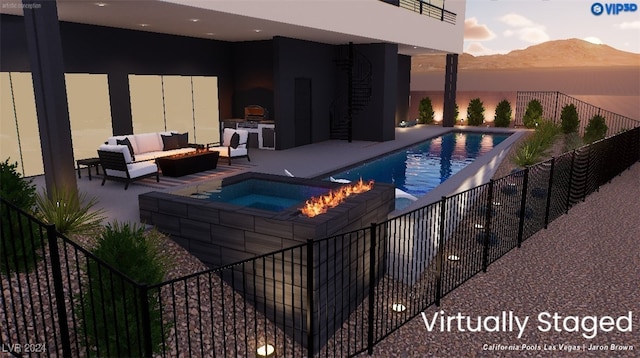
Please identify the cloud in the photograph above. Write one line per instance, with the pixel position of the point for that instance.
(474, 31)
(635, 25)
(524, 29)
(516, 20)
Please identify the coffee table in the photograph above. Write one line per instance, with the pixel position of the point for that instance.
(190, 163)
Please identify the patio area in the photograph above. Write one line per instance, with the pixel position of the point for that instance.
(307, 161)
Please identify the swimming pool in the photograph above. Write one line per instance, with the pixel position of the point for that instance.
(420, 168)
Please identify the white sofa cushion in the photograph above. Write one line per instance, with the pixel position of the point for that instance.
(117, 148)
(148, 142)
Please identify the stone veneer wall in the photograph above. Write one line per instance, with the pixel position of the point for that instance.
(220, 234)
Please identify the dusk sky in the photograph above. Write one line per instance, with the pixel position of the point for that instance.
(500, 26)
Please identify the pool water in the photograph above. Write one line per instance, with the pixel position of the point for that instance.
(264, 194)
(420, 168)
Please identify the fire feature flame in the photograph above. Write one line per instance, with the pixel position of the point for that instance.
(320, 205)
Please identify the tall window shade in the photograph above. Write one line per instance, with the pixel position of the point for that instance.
(89, 112)
(147, 107)
(8, 131)
(25, 106)
(206, 112)
(178, 104)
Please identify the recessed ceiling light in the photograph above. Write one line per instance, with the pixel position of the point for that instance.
(144, 25)
(257, 30)
(194, 20)
(415, 46)
(210, 33)
(101, 4)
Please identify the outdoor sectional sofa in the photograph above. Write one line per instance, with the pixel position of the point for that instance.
(131, 157)
(149, 146)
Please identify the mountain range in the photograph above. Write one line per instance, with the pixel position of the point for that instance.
(551, 54)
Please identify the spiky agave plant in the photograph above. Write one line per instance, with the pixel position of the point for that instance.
(71, 212)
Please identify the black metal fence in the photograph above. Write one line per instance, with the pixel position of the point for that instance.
(336, 296)
(553, 102)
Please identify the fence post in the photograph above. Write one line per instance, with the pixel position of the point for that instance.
(549, 188)
(523, 206)
(439, 259)
(56, 272)
(487, 229)
(573, 158)
(310, 263)
(372, 290)
(587, 175)
(146, 320)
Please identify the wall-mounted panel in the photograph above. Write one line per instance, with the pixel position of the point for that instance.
(147, 109)
(89, 112)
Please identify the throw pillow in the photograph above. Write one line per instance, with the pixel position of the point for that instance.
(235, 140)
(183, 139)
(170, 142)
(128, 144)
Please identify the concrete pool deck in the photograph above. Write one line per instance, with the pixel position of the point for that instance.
(309, 161)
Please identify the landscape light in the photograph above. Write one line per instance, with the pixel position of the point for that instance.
(398, 307)
(265, 350)
(453, 258)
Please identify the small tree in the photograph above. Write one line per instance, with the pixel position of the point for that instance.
(425, 111)
(532, 114)
(503, 114)
(596, 129)
(456, 113)
(475, 112)
(569, 119)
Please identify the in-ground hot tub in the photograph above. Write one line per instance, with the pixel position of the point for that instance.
(223, 222)
(229, 220)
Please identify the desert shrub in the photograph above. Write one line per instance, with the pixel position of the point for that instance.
(425, 111)
(19, 239)
(569, 119)
(475, 112)
(528, 153)
(546, 133)
(110, 306)
(70, 212)
(503, 114)
(16, 189)
(533, 114)
(533, 148)
(596, 129)
(572, 141)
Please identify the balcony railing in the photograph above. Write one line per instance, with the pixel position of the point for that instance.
(432, 8)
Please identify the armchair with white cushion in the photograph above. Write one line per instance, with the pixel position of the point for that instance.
(234, 144)
(117, 164)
